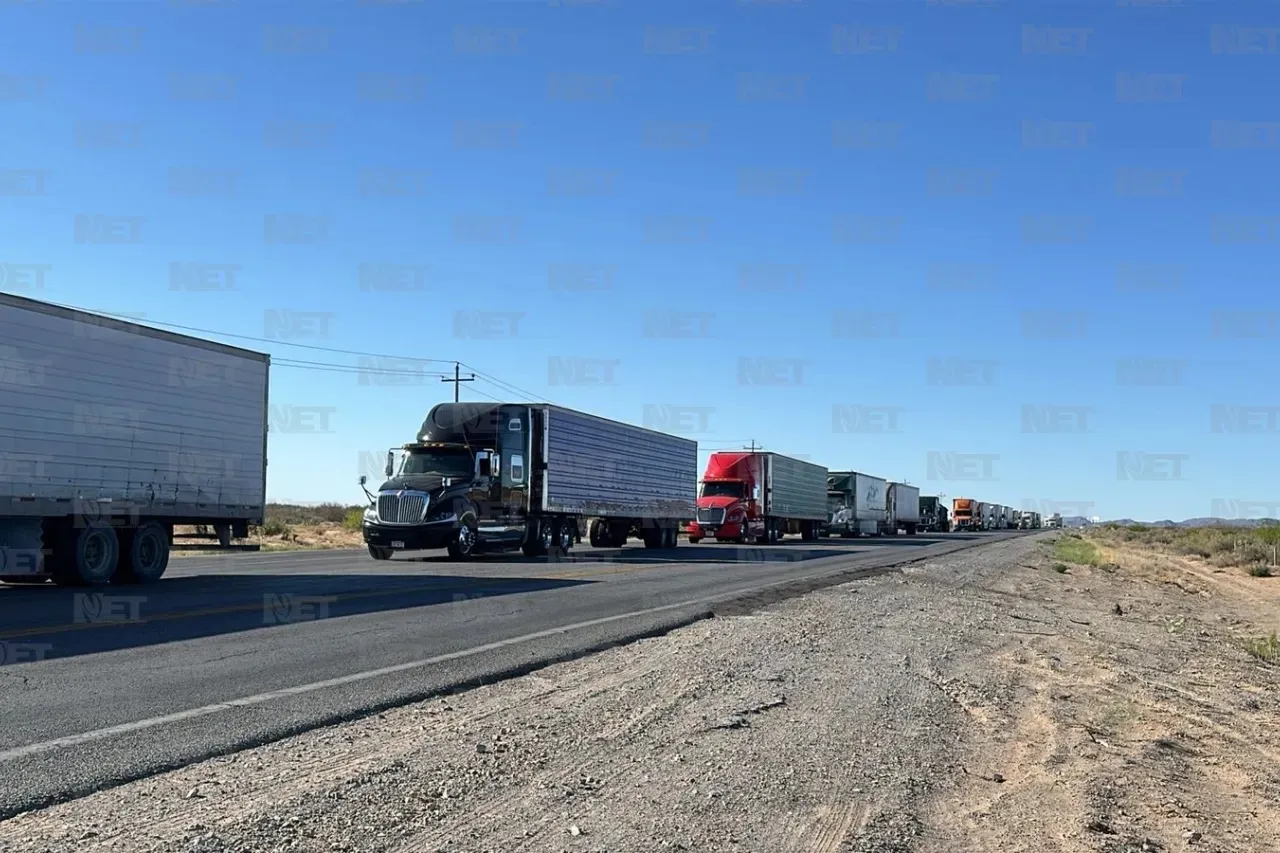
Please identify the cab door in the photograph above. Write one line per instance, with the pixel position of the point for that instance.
(513, 448)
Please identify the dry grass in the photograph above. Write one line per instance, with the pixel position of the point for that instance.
(1253, 549)
(289, 527)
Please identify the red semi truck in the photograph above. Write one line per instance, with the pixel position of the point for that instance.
(761, 496)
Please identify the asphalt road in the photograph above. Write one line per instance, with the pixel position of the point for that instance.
(98, 688)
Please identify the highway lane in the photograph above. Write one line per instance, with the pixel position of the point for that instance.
(234, 650)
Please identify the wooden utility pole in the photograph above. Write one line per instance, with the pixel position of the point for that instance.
(457, 380)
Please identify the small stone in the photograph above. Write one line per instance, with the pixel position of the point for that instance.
(194, 793)
(574, 830)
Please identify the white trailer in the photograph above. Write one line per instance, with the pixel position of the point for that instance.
(857, 504)
(111, 434)
(904, 508)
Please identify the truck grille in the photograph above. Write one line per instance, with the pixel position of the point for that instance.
(401, 509)
(711, 516)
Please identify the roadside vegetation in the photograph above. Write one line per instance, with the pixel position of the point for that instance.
(1074, 548)
(289, 527)
(1254, 549)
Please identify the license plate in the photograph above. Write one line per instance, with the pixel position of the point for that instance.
(397, 544)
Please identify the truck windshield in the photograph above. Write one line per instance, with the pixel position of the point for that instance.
(732, 489)
(449, 463)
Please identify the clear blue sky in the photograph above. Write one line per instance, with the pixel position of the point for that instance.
(852, 123)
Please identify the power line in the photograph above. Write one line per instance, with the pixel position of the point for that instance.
(322, 366)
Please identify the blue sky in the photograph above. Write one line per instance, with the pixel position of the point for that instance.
(1021, 183)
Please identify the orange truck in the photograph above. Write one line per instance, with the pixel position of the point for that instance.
(966, 514)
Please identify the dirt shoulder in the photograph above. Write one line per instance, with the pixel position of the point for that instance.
(978, 702)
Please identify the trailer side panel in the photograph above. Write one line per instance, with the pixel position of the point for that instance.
(601, 467)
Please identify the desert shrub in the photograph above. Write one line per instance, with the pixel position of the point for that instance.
(1076, 549)
(1264, 648)
(1260, 570)
(354, 519)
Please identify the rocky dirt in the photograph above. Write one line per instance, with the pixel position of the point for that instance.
(983, 701)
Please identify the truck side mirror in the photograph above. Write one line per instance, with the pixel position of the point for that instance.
(363, 479)
(391, 464)
(482, 464)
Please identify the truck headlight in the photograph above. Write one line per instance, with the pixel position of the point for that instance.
(371, 515)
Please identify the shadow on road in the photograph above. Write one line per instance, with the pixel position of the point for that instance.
(47, 622)
(789, 550)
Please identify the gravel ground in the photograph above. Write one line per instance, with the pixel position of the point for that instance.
(981, 701)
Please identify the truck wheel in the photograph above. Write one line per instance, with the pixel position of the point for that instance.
(144, 553)
(379, 553)
(595, 535)
(670, 537)
(562, 537)
(694, 540)
(87, 556)
(540, 538)
(463, 544)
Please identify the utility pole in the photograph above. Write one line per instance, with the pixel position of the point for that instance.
(457, 380)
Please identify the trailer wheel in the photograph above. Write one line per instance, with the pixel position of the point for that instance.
(620, 533)
(379, 553)
(144, 553)
(670, 537)
(595, 535)
(87, 556)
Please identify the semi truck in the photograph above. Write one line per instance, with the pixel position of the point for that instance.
(1055, 520)
(759, 495)
(1006, 518)
(112, 433)
(857, 504)
(903, 502)
(934, 517)
(966, 514)
(536, 477)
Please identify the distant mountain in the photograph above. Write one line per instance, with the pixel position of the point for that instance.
(1196, 522)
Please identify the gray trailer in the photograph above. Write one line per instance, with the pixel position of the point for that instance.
(903, 502)
(857, 504)
(538, 477)
(111, 433)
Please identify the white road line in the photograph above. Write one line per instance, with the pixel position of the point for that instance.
(247, 701)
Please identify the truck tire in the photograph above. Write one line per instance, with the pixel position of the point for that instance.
(88, 555)
(562, 536)
(596, 535)
(539, 539)
(144, 553)
(670, 537)
(911, 530)
(379, 553)
(463, 544)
